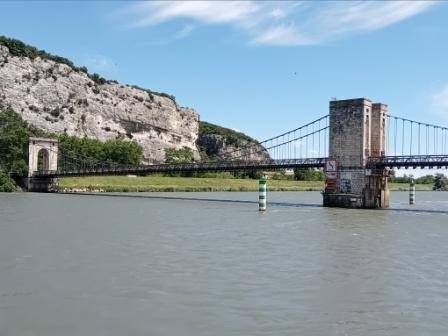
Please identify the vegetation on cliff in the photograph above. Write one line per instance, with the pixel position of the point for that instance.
(213, 141)
(232, 137)
(21, 49)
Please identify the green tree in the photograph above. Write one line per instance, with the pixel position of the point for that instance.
(401, 179)
(182, 155)
(14, 136)
(77, 152)
(122, 152)
(6, 183)
(440, 182)
(177, 156)
(73, 152)
(308, 174)
(427, 179)
(98, 79)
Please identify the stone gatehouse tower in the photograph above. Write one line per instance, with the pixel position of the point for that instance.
(357, 131)
(42, 154)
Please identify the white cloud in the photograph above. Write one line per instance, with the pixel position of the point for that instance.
(282, 35)
(100, 63)
(280, 22)
(213, 12)
(439, 102)
(340, 19)
(278, 13)
(184, 32)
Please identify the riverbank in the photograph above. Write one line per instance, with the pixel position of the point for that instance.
(163, 183)
(154, 183)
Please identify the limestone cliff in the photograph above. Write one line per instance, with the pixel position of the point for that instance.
(52, 94)
(56, 98)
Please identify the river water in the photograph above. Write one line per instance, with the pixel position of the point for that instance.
(211, 264)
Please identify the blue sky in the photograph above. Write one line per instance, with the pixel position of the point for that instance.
(260, 67)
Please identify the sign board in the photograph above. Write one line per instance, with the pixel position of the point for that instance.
(330, 166)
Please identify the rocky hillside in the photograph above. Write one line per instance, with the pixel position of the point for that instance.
(49, 92)
(217, 142)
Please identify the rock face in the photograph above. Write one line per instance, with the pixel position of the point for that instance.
(55, 98)
(219, 146)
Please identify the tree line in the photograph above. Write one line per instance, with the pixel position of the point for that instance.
(14, 137)
(439, 180)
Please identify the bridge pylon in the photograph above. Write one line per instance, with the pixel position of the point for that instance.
(42, 155)
(357, 131)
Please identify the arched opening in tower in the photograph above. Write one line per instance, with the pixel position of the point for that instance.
(43, 160)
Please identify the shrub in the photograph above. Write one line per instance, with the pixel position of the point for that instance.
(6, 183)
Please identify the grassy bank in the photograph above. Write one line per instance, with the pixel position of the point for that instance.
(163, 183)
(405, 187)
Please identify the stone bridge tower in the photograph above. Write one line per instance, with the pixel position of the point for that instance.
(357, 131)
(42, 154)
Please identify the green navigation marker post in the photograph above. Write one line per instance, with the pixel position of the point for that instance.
(262, 195)
(412, 192)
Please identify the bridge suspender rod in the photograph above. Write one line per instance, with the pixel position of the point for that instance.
(306, 146)
(325, 136)
(395, 136)
(435, 140)
(297, 129)
(295, 147)
(419, 138)
(416, 121)
(402, 137)
(319, 153)
(313, 139)
(444, 141)
(282, 150)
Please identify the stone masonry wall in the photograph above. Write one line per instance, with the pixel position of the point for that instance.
(378, 140)
(347, 137)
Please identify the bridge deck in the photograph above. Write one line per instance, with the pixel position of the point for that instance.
(414, 161)
(185, 167)
(411, 161)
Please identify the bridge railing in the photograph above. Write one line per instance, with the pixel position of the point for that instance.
(406, 161)
(187, 167)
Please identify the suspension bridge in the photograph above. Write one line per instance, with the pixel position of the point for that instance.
(357, 144)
